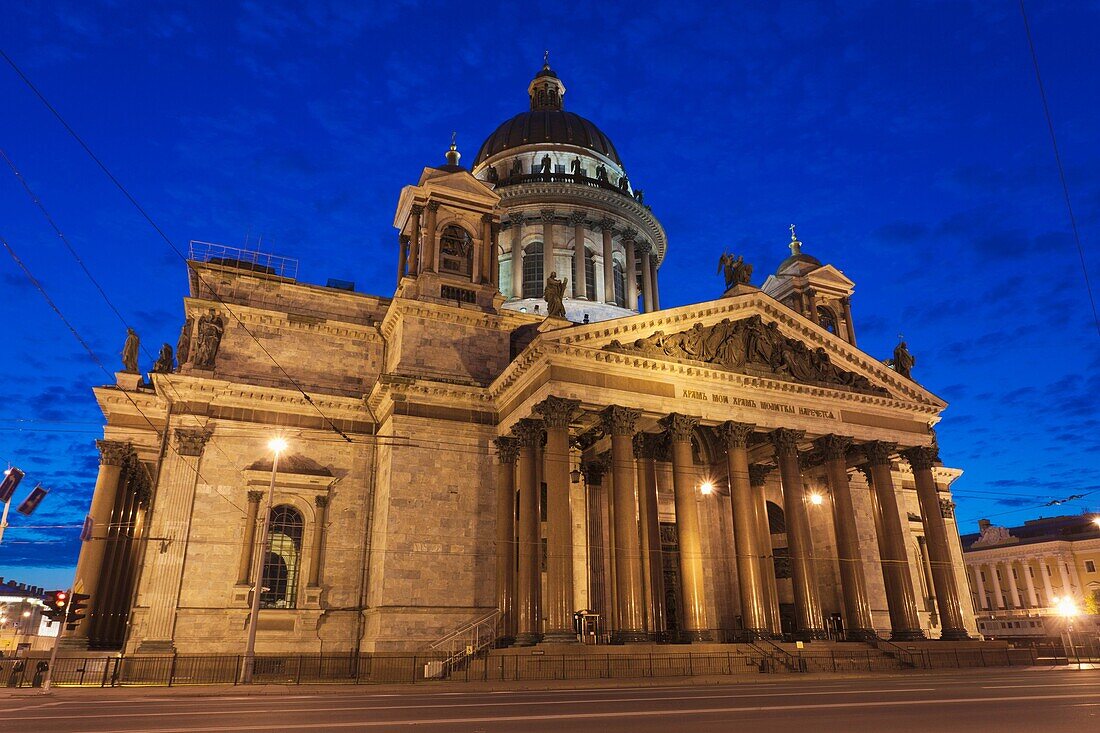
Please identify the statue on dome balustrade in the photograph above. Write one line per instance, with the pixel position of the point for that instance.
(517, 167)
(575, 166)
(130, 352)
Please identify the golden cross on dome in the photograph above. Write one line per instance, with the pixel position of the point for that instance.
(793, 236)
(546, 57)
(454, 135)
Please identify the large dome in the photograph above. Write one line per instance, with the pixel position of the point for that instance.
(547, 126)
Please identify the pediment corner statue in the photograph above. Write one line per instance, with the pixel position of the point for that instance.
(735, 269)
(992, 535)
(750, 345)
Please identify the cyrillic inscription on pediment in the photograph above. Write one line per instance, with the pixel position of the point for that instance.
(750, 346)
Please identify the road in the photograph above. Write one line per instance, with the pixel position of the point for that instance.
(1003, 700)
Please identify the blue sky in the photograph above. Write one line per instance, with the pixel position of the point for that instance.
(906, 140)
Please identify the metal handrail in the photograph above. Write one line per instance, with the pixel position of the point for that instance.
(776, 653)
(493, 617)
(894, 649)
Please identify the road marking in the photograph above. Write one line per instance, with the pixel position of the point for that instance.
(592, 715)
(237, 711)
(1009, 687)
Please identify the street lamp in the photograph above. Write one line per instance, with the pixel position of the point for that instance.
(706, 488)
(817, 499)
(1066, 607)
(276, 446)
(1096, 521)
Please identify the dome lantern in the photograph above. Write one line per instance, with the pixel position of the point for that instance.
(546, 89)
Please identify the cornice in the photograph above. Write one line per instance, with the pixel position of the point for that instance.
(324, 324)
(438, 312)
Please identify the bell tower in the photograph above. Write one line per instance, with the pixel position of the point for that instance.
(820, 293)
(448, 225)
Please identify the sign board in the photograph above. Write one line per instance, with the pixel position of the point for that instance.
(38, 493)
(12, 477)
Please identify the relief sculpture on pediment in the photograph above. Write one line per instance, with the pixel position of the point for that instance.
(749, 345)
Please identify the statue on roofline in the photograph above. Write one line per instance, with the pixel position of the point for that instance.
(130, 352)
(903, 362)
(554, 292)
(736, 270)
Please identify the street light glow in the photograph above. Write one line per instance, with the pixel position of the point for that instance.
(1066, 607)
(817, 499)
(277, 445)
(1096, 521)
(706, 488)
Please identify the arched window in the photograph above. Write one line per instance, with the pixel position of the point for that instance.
(456, 251)
(589, 274)
(282, 558)
(826, 318)
(620, 284)
(533, 278)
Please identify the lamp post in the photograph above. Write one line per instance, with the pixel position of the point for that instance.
(1066, 607)
(277, 446)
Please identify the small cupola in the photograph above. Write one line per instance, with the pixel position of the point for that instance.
(546, 89)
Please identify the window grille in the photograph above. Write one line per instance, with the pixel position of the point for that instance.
(533, 278)
(282, 558)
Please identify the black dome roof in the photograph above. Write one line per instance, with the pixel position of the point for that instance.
(547, 126)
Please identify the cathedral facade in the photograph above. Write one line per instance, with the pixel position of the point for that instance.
(520, 435)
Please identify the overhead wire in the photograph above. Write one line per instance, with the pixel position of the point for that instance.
(141, 210)
(1061, 167)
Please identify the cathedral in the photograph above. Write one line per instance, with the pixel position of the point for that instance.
(518, 438)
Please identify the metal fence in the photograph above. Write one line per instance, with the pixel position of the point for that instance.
(106, 671)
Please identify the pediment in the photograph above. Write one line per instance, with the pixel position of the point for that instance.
(749, 334)
(462, 183)
(753, 346)
(829, 276)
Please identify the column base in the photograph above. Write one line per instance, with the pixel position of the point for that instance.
(560, 636)
(691, 636)
(865, 635)
(955, 635)
(751, 635)
(526, 638)
(630, 637)
(908, 635)
(505, 641)
(810, 635)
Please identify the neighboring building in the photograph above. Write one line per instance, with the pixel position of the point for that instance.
(22, 625)
(1018, 575)
(734, 468)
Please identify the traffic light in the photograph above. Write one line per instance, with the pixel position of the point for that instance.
(78, 604)
(57, 602)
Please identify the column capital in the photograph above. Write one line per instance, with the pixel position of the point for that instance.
(577, 218)
(646, 446)
(736, 434)
(529, 432)
(320, 501)
(865, 469)
(433, 206)
(557, 412)
(507, 449)
(595, 469)
(190, 441)
(619, 420)
(833, 447)
(758, 473)
(679, 427)
(516, 218)
(878, 452)
(629, 234)
(113, 452)
(786, 441)
(643, 247)
(255, 496)
(947, 509)
(548, 215)
(416, 209)
(606, 225)
(487, 218)
(920, 457)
